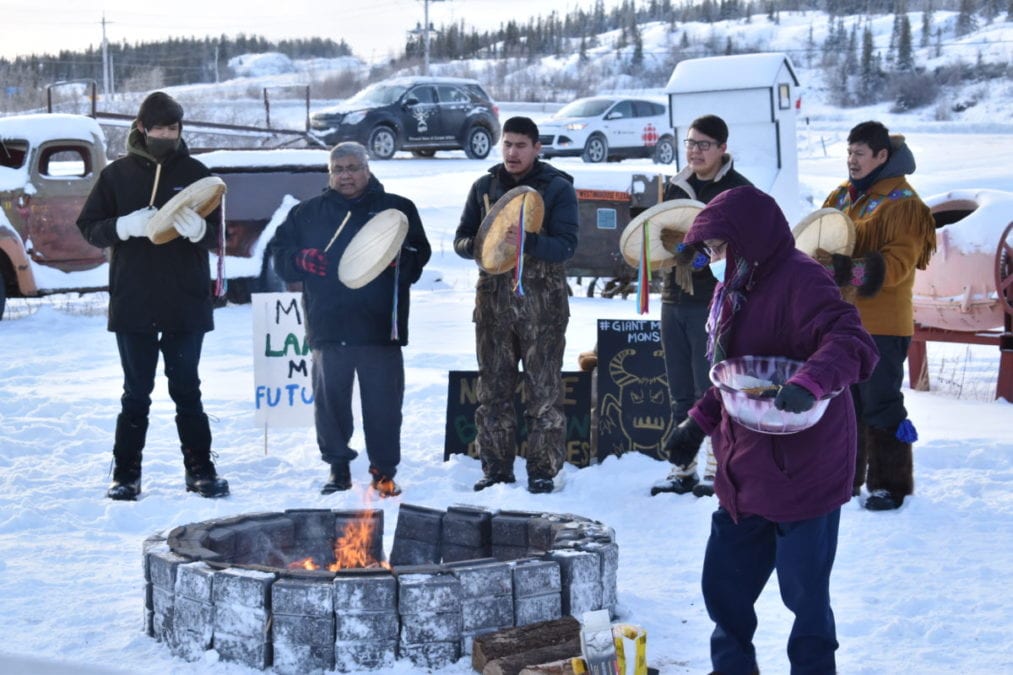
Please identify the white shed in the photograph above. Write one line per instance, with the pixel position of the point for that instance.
(756, 95)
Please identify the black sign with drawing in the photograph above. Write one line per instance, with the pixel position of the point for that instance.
(462, 401)
(634, 413)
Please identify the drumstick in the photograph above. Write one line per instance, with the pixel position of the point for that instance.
(154, 188)
(337, 231)
(485, 198)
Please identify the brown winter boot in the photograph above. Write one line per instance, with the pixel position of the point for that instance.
(891, 470)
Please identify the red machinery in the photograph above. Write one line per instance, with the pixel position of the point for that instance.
(965, 295)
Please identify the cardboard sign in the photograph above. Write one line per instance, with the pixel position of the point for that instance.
(462, 400)
(283, 388)
(634, 410)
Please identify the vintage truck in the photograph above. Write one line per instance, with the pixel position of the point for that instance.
(48, 164)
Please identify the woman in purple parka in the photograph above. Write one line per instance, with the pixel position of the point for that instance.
(779, 495)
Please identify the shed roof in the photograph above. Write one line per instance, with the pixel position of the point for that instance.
(723, 73)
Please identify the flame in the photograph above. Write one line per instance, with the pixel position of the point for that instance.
(304, 564)
(351, 550)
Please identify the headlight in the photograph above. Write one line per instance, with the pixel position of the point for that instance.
(354, 117)
(576, 126)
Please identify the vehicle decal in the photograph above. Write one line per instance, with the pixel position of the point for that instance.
(650, 135)
(421, 116)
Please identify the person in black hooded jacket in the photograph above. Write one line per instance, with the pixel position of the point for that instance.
(522, 321)
(159, 295)
(353, 332)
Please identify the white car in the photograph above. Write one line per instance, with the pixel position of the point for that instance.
(607, 128)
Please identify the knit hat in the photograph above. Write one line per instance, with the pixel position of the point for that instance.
(159, 109)
(713, 126)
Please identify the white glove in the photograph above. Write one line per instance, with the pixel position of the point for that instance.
(134, 224)
(189, 224)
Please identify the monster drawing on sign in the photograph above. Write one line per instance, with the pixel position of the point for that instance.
(421, 116)
(639, 417)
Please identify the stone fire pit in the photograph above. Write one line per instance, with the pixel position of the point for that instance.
(227, 585)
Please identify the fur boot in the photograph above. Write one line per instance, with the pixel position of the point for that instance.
(891, 464)
(861, 458)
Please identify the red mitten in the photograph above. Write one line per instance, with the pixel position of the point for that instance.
(312, 261)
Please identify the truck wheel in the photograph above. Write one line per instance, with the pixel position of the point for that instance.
(382, 143)
(478, 143)
(664, 151)
(596, 149)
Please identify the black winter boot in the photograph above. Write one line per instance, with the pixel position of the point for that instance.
(127, 447)
(195, 438)
(339, 480)
(201, 476)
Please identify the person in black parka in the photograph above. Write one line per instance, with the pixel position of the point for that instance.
(353, 332)
(709, 171)
(159, 295)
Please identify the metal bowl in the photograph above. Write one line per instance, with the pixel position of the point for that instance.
(755, 410)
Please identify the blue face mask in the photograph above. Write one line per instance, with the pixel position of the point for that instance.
(718, 269)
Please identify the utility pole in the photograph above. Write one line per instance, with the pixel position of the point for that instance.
(425, 39)
(106, 66)
(425, 36)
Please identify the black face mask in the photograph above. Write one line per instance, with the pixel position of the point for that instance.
(161, 148)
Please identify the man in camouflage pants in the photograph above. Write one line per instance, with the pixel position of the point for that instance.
(528, 328)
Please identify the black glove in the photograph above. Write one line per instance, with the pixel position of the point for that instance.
(794, 399)
(684, 443)
(312, 261)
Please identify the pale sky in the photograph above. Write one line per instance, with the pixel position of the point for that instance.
(372, 28)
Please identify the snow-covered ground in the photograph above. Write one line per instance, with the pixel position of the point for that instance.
(924, 589)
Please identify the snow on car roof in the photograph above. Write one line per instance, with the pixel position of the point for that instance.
(45, 126)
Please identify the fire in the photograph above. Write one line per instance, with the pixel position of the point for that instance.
(350, 550)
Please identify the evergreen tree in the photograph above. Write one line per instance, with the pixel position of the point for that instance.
(965, 18)
(867, 65)
(927, 22)
(905, 57)
(638, 43)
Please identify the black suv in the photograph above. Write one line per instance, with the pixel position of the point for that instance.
(420, 114)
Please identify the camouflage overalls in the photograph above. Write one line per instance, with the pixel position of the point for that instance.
(528, 329)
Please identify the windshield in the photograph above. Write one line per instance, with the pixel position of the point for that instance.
(588, 107)
(376, 95)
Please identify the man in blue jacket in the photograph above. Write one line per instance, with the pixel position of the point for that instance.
(356, 332)
(780, 496)
(511, 328)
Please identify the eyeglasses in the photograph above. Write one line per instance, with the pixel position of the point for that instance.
(700, 145)
(714, 247)
(354, 168)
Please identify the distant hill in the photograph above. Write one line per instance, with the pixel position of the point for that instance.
(940, 64)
